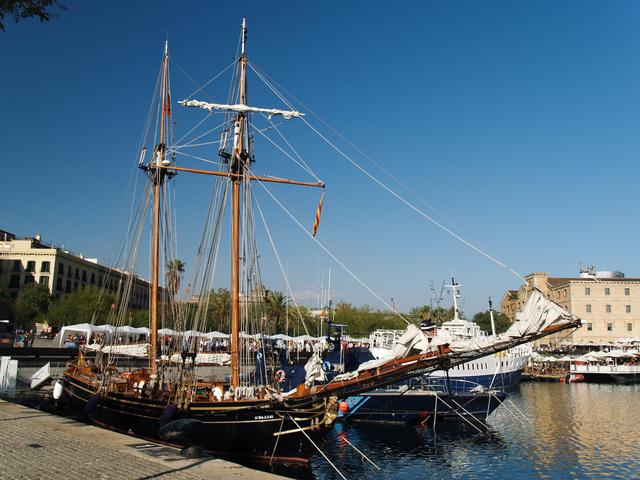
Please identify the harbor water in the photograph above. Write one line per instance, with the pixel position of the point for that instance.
(571, 431)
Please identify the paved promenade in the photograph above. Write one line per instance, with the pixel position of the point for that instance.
(37, 445)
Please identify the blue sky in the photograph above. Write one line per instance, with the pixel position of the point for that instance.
(518, 121)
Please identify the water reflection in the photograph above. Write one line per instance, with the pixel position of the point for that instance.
(570, 431)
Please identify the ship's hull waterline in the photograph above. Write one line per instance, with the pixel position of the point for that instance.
(261, 432)
(421, 407)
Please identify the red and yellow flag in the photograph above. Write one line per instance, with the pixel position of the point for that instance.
(316, 222)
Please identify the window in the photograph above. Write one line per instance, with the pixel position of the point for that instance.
(67, 287)
(14, 281)
(629, 327)
(628, 308)
(77, 273)
(607, 291)
(627, 292)
(61, 268)
(45, 267)
(84, 275)
(31, 266)
(16, 265)
(69, 271)
(93, 278)
(588, 308)
(59, 283)
(75, 286)
(609, 327)
(608, 308)
(44, 281)
(587, 291)
(589, 326)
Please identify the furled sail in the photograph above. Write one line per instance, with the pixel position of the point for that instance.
(239, 108)
(539, 313)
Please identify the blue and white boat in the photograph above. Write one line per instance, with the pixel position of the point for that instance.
(501, 370)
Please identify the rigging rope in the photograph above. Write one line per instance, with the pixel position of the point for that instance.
(328, 252)
(275, 251)
(388, 189)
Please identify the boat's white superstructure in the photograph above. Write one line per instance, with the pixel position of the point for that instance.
(502, 369)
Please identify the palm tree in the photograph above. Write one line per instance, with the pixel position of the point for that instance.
(219, 309)
(175, 268)
(277, 307)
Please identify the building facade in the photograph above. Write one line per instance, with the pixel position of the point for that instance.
(29, 260)
(608, 304)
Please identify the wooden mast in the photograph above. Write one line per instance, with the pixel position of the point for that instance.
(157, 175)
(237, 169)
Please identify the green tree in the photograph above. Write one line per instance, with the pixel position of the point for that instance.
(84, 305)
(33, 300)
(484, 320)
(6, 304)
(139, 317)
(276, 306)
(20, 9)
(219, 313)
(363, 320)
(175, 269)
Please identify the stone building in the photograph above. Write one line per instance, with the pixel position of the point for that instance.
(608, 303)
(30, 260)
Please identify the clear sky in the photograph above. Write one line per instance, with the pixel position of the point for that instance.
(518, 121)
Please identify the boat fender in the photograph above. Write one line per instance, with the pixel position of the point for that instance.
(326, 366)
(58, 389)
(92, 403)
(185, 432)
(280, 376)
(343, 407)
(168, 414)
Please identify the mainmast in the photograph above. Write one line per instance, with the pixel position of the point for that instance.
(239, 157)
(157, 177)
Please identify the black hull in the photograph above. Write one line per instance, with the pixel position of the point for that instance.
(628, 378)
(252, 434)
(421, 407)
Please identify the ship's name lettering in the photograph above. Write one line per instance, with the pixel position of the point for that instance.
(263, 417)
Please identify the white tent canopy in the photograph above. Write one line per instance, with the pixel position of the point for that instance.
(87, 329)
(216, 335)
(168, 331)
(192, 333)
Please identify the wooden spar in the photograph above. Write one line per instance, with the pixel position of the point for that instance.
(157, 175)
(250, 177)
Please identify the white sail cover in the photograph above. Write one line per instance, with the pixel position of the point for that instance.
(286, 114)
(413, 340)
(539, 313)
(313, 369)
(131, 350)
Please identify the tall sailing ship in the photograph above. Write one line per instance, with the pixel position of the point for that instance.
(247, 416)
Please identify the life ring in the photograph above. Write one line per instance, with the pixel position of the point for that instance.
(326, 366)
(280, 376)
